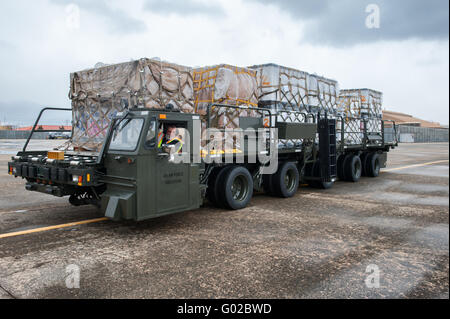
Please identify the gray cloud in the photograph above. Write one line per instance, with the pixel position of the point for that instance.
(117, 20)
(342, 23)
(182, 7)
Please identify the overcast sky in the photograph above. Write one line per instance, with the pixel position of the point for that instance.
(407, 57)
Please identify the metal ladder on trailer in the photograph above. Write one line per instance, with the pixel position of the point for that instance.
(327, 149)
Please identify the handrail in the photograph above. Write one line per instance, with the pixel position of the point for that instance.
(37, 121)
(395, 129)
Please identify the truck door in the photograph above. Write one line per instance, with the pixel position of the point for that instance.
(172, 176)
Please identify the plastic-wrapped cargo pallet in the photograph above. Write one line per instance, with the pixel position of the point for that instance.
(288, 89)
(361, 103)
(230, 85)
(97, 94)
(291, 92)
(355, 104)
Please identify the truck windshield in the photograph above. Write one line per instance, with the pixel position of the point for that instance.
(125, 136)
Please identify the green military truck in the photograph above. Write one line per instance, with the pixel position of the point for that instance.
(134, 177)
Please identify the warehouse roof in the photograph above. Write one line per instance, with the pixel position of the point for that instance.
(406, 119)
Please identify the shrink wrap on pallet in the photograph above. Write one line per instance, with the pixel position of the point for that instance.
(361, 110)
(361, 103)
(99, 93)
(296, 96)
(288, 89)
(322, 94)
(230, 85)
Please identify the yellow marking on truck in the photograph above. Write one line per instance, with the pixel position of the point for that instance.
(57, 155)
(415, 165)
(42, 229)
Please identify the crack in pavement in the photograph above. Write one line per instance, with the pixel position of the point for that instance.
(9, 293)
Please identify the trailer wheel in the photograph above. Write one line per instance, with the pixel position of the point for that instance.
(353, 169)
(363, 158)
(320, 184)
(286, 180)
(373, 165)
(237, 187)
(216, 190)
(341, 166)
(268, 184)
(74, 201)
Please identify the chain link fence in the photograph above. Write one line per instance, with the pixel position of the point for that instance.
(22, 135)
(413, 134)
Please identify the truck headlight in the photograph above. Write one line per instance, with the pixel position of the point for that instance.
(78, 179)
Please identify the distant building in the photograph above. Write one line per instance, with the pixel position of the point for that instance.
(46, 128)
(408, 120)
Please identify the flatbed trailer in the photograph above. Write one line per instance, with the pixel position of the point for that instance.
(134, 178)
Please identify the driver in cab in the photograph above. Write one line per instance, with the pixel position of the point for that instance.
(171, 138)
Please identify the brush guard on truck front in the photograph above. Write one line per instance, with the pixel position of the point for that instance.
(59, 174)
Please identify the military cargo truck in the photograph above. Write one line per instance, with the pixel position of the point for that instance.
(138, 176)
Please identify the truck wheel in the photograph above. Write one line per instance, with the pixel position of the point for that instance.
(286, 179)
(320, 184)
(268, 184)
(216, 190)
(353, 169)
(341, 166)
(373, 165)
(210, 194)
(237, 187)
(363, 158)
(74, 201)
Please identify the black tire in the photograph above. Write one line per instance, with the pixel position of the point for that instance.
(286, 179)
(373, 165)
(353, 169)
(210, 193)
(341, 166)
(216, 190)
(236, 187)
(268, 184)
(309, 172)
(317, 173)
(363, 158)
(74, 201)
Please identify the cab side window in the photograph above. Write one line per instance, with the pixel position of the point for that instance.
(151, 137)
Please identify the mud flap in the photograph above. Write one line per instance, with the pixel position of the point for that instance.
(119, 206)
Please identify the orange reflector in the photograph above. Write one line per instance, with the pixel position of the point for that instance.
(80, 180)
(88, 178)
(162, 116)
(57, 155)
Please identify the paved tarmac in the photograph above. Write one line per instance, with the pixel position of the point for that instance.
(318, 244)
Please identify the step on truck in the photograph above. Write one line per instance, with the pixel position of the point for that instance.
(136, 176)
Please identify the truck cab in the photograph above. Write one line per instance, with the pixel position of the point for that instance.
(145, 177)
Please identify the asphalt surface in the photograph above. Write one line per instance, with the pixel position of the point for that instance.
(319, 244)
